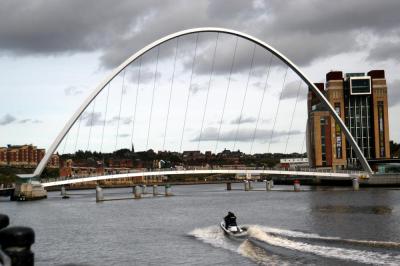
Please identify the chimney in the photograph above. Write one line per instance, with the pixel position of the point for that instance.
(334, 75)
(377, 74)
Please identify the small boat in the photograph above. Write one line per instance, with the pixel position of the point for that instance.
(235, 231)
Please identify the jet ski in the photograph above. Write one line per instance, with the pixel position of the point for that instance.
(234, 231)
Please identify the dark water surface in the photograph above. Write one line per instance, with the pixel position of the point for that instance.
(320, 227)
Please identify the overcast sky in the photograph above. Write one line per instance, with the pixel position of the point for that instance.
(54, 53)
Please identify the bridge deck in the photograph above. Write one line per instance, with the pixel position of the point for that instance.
(331, 175)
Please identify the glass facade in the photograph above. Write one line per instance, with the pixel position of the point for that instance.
(359, 120)
(360, 86)
(338, 134)
(323, 123)
(381, 129)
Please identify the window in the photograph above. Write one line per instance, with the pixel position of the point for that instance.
(381, 129)
(338, 134)
(360, 86)
(323, 123)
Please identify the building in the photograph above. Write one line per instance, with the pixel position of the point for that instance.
(26, 156)
(361, 101)
(293, 163)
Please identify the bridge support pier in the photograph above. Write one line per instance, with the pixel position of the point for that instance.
(246, 185)
(99, 194)
(228, 186)
(64, 193)
(137, 191)
(168, 190)
(268, 185)
(296, 185)
(356, 185)
(155, 192)
(144, 188)
(250, 184)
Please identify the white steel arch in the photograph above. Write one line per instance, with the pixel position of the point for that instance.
(39, 169)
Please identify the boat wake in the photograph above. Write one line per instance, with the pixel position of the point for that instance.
(274, 246)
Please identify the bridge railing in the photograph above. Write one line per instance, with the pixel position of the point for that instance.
(199, 168)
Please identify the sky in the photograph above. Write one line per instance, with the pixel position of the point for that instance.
(54, 53)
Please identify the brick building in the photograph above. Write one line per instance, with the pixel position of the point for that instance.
(27, 156)
(361, 101)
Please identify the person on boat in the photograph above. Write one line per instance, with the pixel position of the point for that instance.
(230, 220)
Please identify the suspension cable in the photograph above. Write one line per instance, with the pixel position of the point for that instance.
(152, 97)
(189, 92)
(302, 145)
(261, 103)
(170, 93)
(77, 134)
(91, 124)
(65, 142)
(277, 110)
(294, 110)
(226, 94)
(120, 107)
(208, 91)
(136, 99)
(244, 97)
(105, 118)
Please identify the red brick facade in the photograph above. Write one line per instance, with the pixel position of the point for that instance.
(25, 156)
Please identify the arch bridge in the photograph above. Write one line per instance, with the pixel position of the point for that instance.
(79, 115)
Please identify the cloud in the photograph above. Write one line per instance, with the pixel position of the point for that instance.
(394, 92)
(298, 28)
(122, 120)
(72, 91)
(24, 121)
(385, 51)
(7, 119)
(243, 135)
(243, 120)
(10, 119)
(195, 88)
(92, 119)
(96, 119)
(292, 89)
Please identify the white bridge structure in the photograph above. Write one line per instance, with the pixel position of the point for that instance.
(137, 57)
(344, 175)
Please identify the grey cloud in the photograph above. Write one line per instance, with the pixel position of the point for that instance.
(243, 120)
(92, 119)
(10, 119)
(96, 119)
(72, 91)
(7, 119)
(300, 29)
(292, 88)
(122, 120)
(24, 121)
(385, 51)
(244, 135)
(195, 88)
(68, 26)
(146, 75)
(394, 92)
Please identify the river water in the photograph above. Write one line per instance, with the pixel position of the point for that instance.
(327, 226)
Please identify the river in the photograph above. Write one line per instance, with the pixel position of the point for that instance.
(328, 226)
